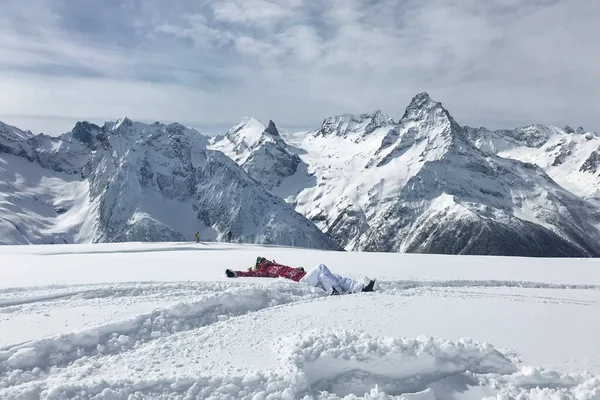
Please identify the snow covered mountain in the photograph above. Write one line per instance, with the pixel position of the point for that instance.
(356, 127)
(570, 157)
(129, 181)
(366, 182)
(260, 151)
(426, 184)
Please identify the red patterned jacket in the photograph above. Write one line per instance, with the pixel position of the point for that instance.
(271, 269)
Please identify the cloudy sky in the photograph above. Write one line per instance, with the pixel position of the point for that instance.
(208, 63)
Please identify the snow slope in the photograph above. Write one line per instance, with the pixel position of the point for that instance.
(42, 206)
(569, 156)
(135, 321)
(129, 181)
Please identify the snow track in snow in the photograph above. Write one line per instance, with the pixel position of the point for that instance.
(208, 308)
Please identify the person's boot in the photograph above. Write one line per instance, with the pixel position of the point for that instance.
(231, 273)
(370, 286)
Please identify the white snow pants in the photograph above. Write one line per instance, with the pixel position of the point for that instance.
(323, 278)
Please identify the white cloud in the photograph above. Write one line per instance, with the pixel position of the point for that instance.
(255, 13)
(499, 62)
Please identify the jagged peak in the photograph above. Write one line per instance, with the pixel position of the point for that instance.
(252, 129)
(343, 124)
(247, 133)
(175, 128)
(15, 132)
(422, 97)
(84, 131)
(424, 121)
(568, 129)
(86, 125)
(376, 115)
(123, 122)
(246, 121)
(379, 117)
(422, 101)
(580, 130)
(423, 108)
(271, 129)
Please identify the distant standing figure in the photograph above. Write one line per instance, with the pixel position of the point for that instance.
(229, 234)
(197, 235)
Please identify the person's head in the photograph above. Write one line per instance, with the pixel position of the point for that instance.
(259, 261)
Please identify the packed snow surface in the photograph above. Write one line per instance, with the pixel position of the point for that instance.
(137, 321)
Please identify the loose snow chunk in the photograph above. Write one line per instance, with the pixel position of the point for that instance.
(348, 363)
(24, 358)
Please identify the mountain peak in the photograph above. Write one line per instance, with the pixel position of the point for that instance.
(271, 129)
(424, 121)
(380, 118)
(84, 131)
(423, 100)
(247, 133)
(423, 96)
(423, 108)
(250, 131)
(123, 122)
(14, 132)
(121, 125)
(354, 124)
(249, 121)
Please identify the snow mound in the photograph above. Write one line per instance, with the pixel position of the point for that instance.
(337, 365)
(353, 363)
(129, 334)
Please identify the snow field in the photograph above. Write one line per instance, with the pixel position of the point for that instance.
(107, 324)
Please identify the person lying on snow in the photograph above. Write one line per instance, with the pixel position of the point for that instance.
(320, 277)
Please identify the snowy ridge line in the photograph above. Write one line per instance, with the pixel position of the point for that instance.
(18, 289)
(133, 289)
(393, 286)
(129, 334)
(513, 297)
(188, 247)
(16, 301)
